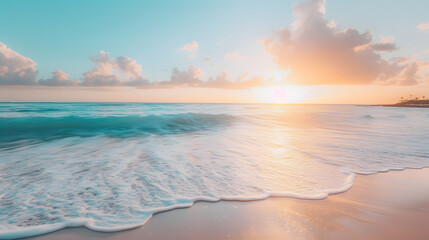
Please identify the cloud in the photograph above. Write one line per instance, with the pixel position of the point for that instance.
(16, 69)
(129, 66)
(193, 78)
(189, 47)
(242, 82)
(113, 71)
(101, 74)
(402, 71)
(208, 58)
(59, 78)
(386, 45)
(192, 55)
(409, 75)
(318, 52)
(219, 81)
(423, 26)
(190, 78)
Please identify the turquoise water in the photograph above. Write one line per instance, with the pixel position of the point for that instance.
(110, 166)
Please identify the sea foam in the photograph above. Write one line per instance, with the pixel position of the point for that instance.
(110, 167)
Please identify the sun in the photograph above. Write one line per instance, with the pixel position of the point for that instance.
(280, 94)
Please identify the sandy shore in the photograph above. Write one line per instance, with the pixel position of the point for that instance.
(393, 205)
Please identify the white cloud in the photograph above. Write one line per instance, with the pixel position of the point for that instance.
(386, 44)
(423, 26)
(129, 66)
(189, 47)
(113, 71)
(242, 82)
(191, 77)
(318, 52)
(384, 47)
(59, 78)
(16, 69)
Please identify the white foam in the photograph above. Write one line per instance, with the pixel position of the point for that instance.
(110, 183)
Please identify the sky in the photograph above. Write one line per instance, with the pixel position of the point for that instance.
(242, 51)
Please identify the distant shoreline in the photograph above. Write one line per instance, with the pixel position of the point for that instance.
(406, 105)
(395, 105)
(415, 103)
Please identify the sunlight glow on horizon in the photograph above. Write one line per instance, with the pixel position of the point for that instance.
(301, 51)
(281, 94)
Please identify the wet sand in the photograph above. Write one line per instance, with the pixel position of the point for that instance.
(393, 205)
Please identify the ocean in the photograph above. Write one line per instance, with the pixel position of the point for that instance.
(111, 166)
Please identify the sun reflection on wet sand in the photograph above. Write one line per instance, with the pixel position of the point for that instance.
(382, 206)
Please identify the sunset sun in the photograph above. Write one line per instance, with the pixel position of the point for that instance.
(281, 94)
(294, 119)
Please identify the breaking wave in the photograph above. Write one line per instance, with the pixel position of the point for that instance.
(114, 126)
(110, 167)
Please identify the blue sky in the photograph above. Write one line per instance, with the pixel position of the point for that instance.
(65, 34)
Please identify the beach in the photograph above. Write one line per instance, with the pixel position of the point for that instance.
(127, 119)
(110, 167)
(392, 205)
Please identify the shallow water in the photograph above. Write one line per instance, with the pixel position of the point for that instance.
(110, 166)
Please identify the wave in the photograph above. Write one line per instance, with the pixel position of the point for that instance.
(121, 168)
(90, 223)
(114, 126)
(38, 110)
(368, 117)
(30, 231)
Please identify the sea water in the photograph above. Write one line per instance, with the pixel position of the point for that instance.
(111, 166)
